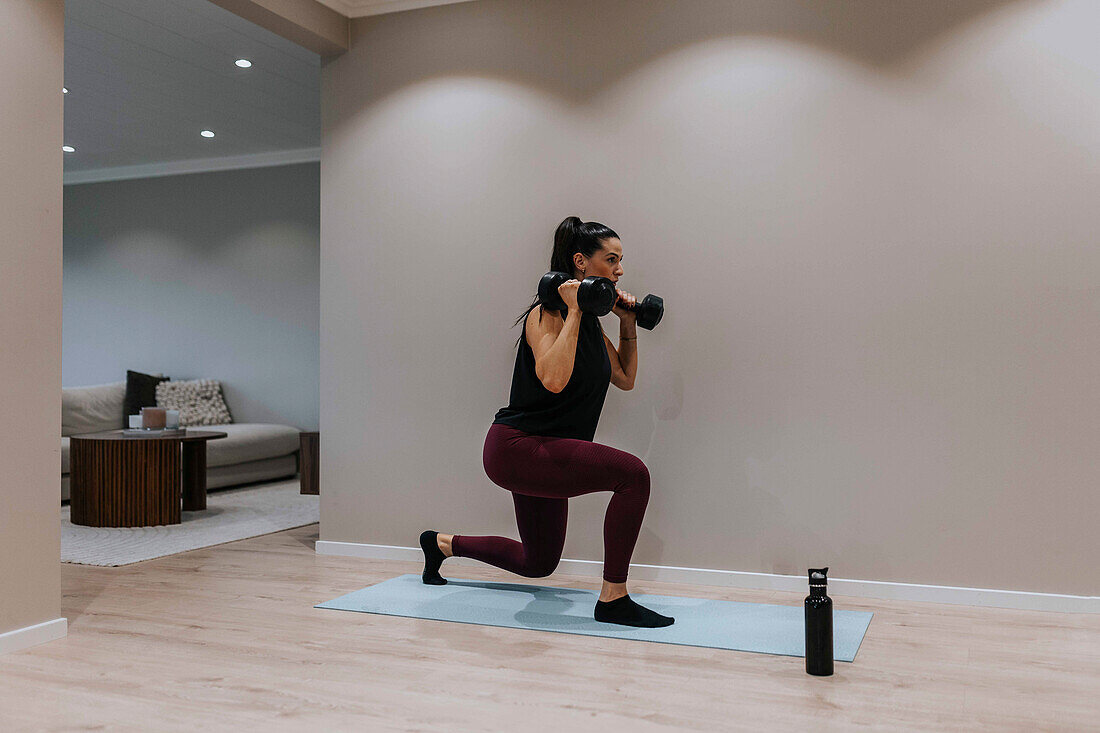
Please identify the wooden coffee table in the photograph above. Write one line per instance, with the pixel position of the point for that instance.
(118, 480)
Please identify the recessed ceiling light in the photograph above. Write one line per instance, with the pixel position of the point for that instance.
(206, 133)
(68, 148)
(64, 90)
(243, 63)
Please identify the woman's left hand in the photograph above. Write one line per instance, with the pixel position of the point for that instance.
(626, 299)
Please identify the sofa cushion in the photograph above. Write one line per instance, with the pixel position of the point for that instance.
(92, 409)
(141, 391)
(244, 442)
(249, 442)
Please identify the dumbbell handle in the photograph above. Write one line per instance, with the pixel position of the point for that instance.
(632, 308)
(625, 306)
(649, 310)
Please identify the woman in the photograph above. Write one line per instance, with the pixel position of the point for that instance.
(540, 446)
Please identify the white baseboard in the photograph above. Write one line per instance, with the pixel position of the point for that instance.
(13, 641)
(985, 597)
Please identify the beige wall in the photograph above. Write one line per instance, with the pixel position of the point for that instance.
(32, 36)
(874, 226)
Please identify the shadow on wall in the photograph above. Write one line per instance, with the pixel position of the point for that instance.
(758, 506)
(610, 39)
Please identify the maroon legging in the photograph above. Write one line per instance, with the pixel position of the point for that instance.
(542, 473)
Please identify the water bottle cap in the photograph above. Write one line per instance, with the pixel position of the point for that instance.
(818, 577)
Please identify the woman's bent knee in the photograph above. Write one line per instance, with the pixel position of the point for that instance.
(637, 478)
(539, 570)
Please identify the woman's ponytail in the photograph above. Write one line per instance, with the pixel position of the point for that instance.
(565, 239)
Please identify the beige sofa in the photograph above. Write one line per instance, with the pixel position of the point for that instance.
(250, 452)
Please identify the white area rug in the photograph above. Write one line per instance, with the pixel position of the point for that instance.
(231, 514)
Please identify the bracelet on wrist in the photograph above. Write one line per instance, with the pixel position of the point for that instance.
(628, 338)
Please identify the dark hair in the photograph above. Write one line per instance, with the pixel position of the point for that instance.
(572, 236)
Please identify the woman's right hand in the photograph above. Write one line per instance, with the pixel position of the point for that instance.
(568, 292)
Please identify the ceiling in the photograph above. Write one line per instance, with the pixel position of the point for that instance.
(146, 76)
(360, 8)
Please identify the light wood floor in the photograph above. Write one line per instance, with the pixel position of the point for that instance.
(227, 638)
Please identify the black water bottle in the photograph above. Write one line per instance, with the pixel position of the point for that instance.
(819, 625)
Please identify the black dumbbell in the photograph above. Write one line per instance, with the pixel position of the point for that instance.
(593, 296)
(597, 295)
(604, 297)
(649, 311)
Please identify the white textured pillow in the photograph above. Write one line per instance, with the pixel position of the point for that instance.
(199, 401)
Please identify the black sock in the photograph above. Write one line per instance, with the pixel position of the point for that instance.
(628, 613)
(433, 558)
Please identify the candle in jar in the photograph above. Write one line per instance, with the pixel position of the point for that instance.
(153, 417)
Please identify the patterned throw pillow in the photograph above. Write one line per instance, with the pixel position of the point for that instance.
(199, 401)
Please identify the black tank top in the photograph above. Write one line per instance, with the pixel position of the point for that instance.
(573, 412)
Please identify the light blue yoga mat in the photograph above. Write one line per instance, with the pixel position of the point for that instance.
(750, 627)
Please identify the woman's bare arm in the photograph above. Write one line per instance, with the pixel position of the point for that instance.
(554, 343)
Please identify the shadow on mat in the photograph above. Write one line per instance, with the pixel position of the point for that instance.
(548, 607)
